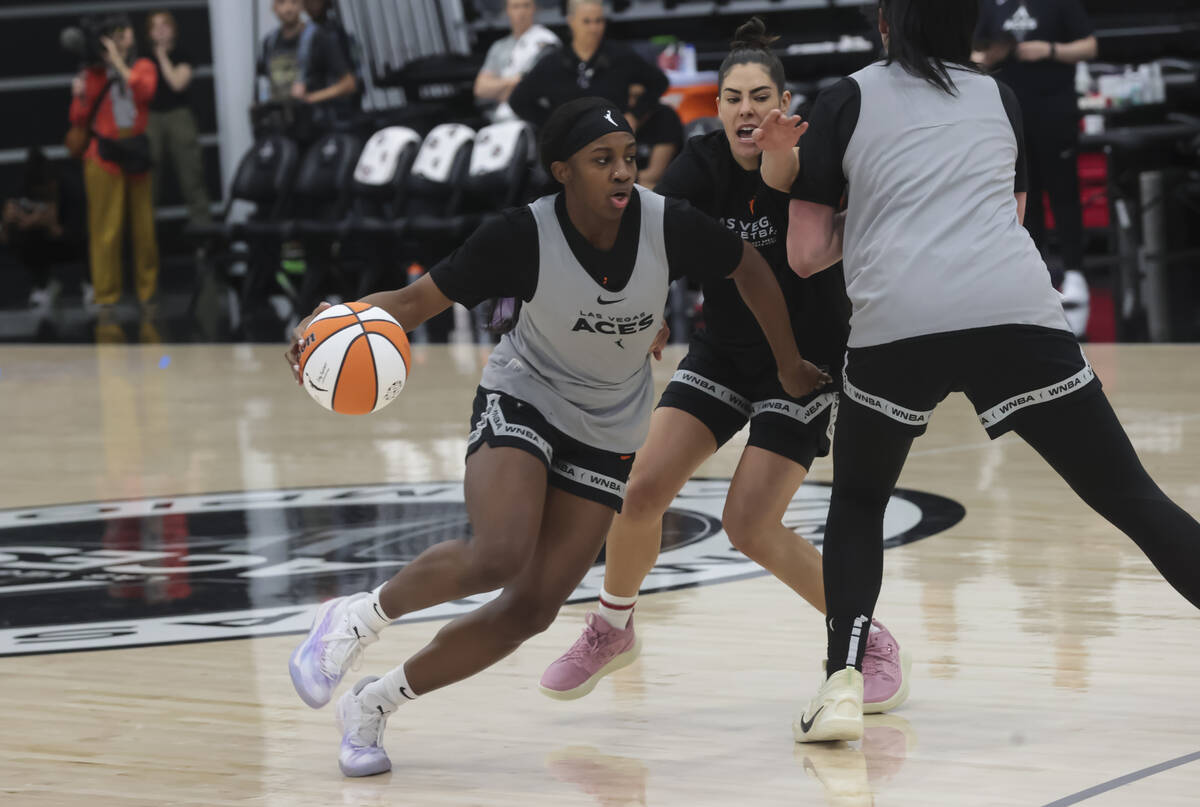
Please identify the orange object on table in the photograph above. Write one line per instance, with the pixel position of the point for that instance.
(692, 102)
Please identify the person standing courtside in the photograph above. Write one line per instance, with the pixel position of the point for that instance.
(590, 65)
(509, 58)
(115, 171)
(1034, 46)
(302, 63)
(949, 294)
(172, 126)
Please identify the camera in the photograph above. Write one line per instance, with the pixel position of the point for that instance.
(83, 40)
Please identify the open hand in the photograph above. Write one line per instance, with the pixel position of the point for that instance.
(293, 352)
(111, 49)
(778, 131)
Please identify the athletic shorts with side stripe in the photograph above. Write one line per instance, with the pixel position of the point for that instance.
(498, 419)
(716, 391)
(1008, 372)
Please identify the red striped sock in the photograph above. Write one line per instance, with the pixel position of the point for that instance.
(616, 610)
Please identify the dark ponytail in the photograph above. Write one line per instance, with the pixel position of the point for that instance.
(751, 45)
(926, 35)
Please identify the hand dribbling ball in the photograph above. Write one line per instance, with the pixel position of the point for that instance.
(354, 358)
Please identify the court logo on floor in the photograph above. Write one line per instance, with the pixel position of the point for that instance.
(221, 566)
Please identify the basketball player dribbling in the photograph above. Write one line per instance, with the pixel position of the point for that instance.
(949, 293)
(563, 405)
(726, 380)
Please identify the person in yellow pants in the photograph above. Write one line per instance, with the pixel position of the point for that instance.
(114, 197)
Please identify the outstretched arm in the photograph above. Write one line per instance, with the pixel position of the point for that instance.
(760, 290)
(410, 306)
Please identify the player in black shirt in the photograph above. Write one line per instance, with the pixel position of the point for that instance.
(1034, 46)
(726, 381)
(563, 404)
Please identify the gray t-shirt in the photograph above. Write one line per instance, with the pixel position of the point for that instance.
(933, 243)
(513, 56)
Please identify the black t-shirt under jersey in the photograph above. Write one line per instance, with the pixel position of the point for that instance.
(707, 176)
(501, 258)
(1015, 21)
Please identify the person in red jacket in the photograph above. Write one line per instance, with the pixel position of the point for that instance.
(118, 194)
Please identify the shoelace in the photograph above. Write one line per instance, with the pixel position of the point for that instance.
(370, 731)
(586, 645)
(331, 666)
(875, 659)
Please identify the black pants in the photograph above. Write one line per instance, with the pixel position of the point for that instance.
(1052, 146)
(38, 251)
(1080, 437)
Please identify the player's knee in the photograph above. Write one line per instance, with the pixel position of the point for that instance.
(528, 615)
(746, 526)
(493, 565)
(646, 499)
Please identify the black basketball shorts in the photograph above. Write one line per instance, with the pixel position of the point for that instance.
(500, 420)
(716, 391)
(1008, 372)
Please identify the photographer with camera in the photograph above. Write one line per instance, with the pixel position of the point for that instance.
(111, 108)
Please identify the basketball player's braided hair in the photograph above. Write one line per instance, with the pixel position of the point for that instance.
(752, 45)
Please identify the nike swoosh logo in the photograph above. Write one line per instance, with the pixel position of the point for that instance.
(314, 386)
(805, 725)
(602, 301)
(382, 615)
(404, 692)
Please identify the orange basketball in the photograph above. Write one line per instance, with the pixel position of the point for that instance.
(354, 358)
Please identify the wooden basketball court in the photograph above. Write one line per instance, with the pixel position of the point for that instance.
(1052, 666)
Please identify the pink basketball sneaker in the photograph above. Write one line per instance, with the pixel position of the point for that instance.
(601, 649)
(885, 671)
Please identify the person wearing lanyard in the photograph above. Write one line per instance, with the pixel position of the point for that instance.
(589, 66)
(949, 293)
(1034, 45)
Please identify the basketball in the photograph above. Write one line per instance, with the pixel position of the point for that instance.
(354, 358)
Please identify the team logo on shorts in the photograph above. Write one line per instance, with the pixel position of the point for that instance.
(224, 566)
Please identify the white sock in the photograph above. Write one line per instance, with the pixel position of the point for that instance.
(368, 613)
(389, 692)
(616, 610)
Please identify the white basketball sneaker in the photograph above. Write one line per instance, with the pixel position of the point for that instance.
(332, 647)
(835, 712)
(362, 728)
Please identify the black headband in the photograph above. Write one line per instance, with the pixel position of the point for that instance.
(593, 122)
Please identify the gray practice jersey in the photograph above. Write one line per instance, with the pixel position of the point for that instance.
(933, 243)
(578, 353)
